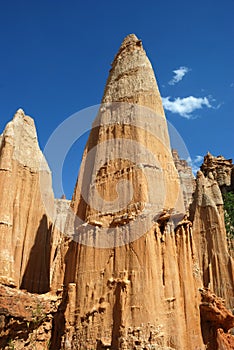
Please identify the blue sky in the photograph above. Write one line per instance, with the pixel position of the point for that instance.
(55, 57)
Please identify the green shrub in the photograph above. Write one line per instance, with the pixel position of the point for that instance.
(229, 213)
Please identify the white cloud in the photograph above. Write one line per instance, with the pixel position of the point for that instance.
(185, 106)
(198, 159)
(232, 85)
(178, 75)
(195, 163)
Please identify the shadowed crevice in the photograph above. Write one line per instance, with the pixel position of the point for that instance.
(36, 278)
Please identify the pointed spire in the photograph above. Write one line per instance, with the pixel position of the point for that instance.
(19, 113)
(130, 39)
(132, 77)
(127, 180)
(142, 132)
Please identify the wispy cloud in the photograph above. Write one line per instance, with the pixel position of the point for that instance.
(185, 106)
(198, 159)
(195, 163)
(178, 75)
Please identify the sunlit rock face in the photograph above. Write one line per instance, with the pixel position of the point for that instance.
(58, 244)
(216, 322)
(131, 280)
(24, 224)
(221, 169)
(210, 237)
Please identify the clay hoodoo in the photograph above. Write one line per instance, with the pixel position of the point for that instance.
(127, 285)
(132, 112)
(207, 214)
(24, 223)
(220, 168)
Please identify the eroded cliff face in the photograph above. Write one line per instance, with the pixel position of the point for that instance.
(134, 295)
(126, 268)
(187, 178)
(210, 238)
(26, 319)
(220, 168)
(217, 322)
(25, 229)
(126, 286)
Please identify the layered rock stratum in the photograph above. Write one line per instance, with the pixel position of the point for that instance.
(138, 258)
